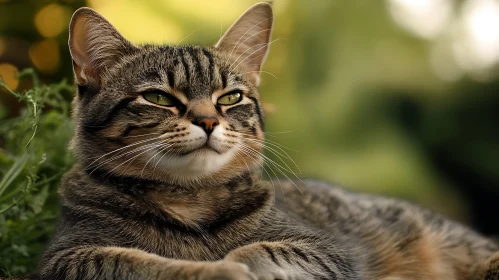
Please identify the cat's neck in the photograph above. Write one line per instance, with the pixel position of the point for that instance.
(196, 206)
(208, 207)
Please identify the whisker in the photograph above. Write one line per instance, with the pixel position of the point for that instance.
(271, 161)
(266, 140)
(237, 43)
(238, 152)
(162, 148)
(261, 72)
(277, 153)
(132, 159)
(119, 149)
(277, 132)
(249, 38)
(188, 36)
(159, 160)
(247, 166)
(264, 45)
(122, 155)
(278, 167)
(258, 155)
(134, 136)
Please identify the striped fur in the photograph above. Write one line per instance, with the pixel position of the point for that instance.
(157, 196)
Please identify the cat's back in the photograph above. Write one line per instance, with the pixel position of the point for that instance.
(393, 232)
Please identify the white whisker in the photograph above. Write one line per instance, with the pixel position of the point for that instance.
(132, 159)
(261, 71)
(122, 155)
(161, 148)
(237, 43)
(277, 166)
(264, 45)
(119, 149)
(187, 36)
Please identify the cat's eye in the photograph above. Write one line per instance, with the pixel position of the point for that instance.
(230, 98)
(159, 97)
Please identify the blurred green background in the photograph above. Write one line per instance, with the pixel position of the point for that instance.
(397, 97)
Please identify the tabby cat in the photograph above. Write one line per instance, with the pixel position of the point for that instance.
(167, 184)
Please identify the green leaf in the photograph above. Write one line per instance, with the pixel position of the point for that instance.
(13, 172)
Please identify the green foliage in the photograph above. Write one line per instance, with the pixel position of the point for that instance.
(33, 157)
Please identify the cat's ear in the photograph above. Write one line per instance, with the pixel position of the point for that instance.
(247, 40)
(95, 45)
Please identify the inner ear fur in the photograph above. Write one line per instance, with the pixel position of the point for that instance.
(95, 46)
(247, 40)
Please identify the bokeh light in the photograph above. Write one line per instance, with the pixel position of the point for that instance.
(3, 46)
(51, 20)
(9, 74)
(148, 26)
(45, 56)
(424, 18)
(477, 46)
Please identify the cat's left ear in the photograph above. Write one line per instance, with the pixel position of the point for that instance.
(247, 40)
(95, 46)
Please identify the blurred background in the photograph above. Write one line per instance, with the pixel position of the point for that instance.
(396, 97)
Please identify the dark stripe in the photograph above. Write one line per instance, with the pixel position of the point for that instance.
(195, 57)
(164, 48)
(301, 265)
(223, 77)
(284, 253)
(211, 63)
(258, 111)
(65, 255)
(171, 78)
(61, 270)
(116, 264)
(238, 79)
(82, 262)
(99, 263)
(332, 274)
(130, 128)
(253, 130)
(110, 115)
(271, 254)
(219, 110)
(341, 262)
(186, 66)
(300, 253)
(64, 268)
(152, 75)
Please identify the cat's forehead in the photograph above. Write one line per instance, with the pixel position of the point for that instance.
(193, 70)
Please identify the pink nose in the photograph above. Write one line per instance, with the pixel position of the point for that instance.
(206, 123)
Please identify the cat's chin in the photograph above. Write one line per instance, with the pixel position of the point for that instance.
(196, 164)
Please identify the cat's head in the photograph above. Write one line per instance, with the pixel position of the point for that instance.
(180, 114)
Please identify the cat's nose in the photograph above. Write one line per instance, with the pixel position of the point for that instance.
(206, 123)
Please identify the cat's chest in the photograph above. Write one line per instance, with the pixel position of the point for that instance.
(180, 230)
(185, 244)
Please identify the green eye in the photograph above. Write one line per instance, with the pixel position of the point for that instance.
(230, 98)
(158, 97)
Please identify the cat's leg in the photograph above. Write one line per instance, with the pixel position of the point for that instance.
(291, 260)
(125, 263)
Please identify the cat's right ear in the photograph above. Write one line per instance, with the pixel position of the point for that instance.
(95, 45)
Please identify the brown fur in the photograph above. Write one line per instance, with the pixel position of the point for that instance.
(157, 194)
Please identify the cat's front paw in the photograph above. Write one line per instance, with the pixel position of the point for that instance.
(224, 270)
(263, 266)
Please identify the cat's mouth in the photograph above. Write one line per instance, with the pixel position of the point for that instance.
(206, 147)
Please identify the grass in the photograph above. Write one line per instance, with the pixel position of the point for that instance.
(33, 157)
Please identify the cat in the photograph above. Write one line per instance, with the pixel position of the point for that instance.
(167, 185)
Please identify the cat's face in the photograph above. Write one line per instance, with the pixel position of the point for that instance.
(184, 115)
